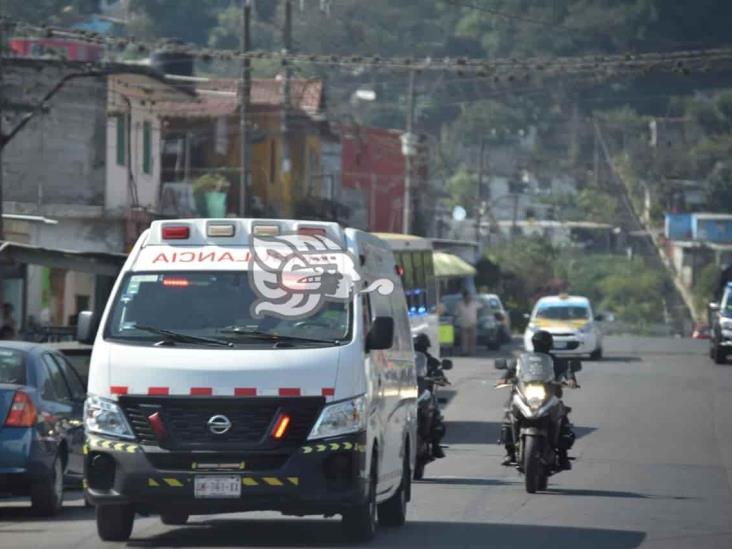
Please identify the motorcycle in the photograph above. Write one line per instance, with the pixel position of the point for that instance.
(536, 414)
(430, 426)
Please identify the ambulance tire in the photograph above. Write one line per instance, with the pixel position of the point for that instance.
(359, 523)
(114, 522)
(174, 519)
(393, 512)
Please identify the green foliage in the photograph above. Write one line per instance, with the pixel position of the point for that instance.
(705, 286)
(463, 187)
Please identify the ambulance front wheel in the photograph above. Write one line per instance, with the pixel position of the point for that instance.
(114, 522)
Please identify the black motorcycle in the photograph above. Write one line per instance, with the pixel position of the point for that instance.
(536, 414)
(430, 424)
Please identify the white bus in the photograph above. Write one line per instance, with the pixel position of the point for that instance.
(415, 262)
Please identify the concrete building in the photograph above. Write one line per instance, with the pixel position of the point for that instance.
(56, 168)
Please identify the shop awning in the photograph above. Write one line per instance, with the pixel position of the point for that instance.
(98, 263)
(451, 266)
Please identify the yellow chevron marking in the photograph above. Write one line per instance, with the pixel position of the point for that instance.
(120, 446)
(272, 481)
(131, 449)
(85, 449)
(307, 449)
(295, 481)
(152, 483)
(249, 481)
(243, 465)
(347, 445)
(322, 447)
(334, 445)
(173, 482)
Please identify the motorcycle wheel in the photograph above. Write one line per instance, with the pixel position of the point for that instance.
(533, 470)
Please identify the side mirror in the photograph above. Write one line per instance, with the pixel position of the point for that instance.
(714, 307)
(500, 364)
(381, 335)
(447, 364)
(575, 365)
(86, 327)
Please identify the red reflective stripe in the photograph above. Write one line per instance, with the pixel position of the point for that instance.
(328, 391)
(245, 392)
(201, 391)
(289, 392)
(158, 391)
(118, 390)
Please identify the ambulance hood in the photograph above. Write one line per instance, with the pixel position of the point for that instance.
(302, 371)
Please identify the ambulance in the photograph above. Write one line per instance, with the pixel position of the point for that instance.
(246, 365)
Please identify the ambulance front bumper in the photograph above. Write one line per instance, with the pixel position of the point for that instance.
(323, 477)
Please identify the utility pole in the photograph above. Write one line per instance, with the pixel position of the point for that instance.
(2, 135)
(286, 84)
(479, 204)
(409, 151)
(245, 92)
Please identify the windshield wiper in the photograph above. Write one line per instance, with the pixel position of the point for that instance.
(255, 334)
(183, 338)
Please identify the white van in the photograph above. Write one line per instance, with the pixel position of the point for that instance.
(240, 365)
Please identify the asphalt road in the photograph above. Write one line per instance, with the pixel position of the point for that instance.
(653, 470)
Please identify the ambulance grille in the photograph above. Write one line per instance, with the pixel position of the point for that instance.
(186, 421)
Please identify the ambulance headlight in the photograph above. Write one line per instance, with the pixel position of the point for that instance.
(104, 417)
(341, 418)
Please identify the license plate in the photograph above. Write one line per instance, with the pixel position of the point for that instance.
(217, 486)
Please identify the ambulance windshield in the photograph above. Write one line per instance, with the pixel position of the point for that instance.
(215, 305)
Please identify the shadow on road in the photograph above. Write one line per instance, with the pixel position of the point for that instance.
(487, 432)
(242, 533)
(617, 358)
(457, 481)
(22, 512)
(608, 494)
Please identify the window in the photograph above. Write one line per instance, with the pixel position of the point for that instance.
(12, 367)
(147, 147)
(121, 140)
(54, 386)
(71, 376)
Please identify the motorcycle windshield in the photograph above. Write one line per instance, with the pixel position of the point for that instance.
(535, 367)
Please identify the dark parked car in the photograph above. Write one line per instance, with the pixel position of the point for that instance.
(489, 331)
(41, 428)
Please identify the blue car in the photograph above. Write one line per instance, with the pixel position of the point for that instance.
(41, 424)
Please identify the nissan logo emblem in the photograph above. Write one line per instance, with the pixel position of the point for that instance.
(219, 425)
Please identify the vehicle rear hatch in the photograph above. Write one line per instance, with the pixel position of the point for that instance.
(12, 378)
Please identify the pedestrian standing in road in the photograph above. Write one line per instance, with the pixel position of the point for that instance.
(467, 319)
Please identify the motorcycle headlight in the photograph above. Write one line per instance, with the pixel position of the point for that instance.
(341, 418)
(535, 394)
(105, 417)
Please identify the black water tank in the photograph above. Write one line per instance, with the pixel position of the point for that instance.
(169, 61)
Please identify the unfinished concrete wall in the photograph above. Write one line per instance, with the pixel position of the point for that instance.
(59, 157)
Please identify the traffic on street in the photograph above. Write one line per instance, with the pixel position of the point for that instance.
(669, 487)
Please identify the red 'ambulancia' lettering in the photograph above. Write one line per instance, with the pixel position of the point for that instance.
(161, 258)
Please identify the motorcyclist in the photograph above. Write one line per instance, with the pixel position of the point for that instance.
(563, 372)
(426, 364)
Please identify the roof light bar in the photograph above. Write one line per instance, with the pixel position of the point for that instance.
(176, 282)
(266, 230)
(311, 231)
(176, 232)
(221, 230)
